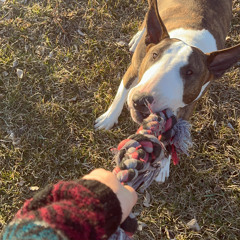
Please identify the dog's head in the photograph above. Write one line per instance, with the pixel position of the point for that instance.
(172, 73)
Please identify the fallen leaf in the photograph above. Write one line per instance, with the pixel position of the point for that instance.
(121, 43)
(141, 225)
(21, 183)
(15, 63)
(136, 214)
(80, 33)
(214, 123)
(34, 188)
(230, 126)
(26, 47)
(15, 140)
(20, 73)
(193, 225)
(50, 55)
(74, 99)
(147, 199)
(40, 50)
(5, 73)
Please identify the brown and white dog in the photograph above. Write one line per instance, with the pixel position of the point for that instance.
(175, 58)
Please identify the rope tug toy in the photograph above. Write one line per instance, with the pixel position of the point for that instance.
(143, 156)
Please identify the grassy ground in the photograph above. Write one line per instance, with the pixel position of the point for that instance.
(72, 56)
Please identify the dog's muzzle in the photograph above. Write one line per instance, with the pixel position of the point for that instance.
(141, 106)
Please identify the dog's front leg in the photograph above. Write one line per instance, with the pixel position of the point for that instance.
(137, 37)
(165, 169)
(110, 117)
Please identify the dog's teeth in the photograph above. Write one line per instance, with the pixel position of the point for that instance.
(145, 115)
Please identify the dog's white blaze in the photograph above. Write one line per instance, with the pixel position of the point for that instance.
(163, 80)
(202, 90)
(201, 39)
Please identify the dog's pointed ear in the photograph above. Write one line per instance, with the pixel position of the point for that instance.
(156, 30)
(219, 62)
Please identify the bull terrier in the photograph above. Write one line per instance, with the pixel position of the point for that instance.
(176, 57)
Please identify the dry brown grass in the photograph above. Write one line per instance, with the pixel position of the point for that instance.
(47, 117)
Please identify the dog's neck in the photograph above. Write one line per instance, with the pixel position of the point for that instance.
(197, 15)
(201, 39)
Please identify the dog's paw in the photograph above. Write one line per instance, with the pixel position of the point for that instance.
(135, 40)
(165, 169)
(106, 121)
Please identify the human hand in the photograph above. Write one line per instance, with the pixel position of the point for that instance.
(125, 194)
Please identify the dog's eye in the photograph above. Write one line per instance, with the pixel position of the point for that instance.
(189, 72)
(155, 55)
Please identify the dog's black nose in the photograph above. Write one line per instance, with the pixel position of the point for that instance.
(141, 101)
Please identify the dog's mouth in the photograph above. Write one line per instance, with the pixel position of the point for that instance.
(141, 109)
(138, 116)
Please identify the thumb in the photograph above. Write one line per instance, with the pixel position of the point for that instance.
(128, 198)
(133, 193)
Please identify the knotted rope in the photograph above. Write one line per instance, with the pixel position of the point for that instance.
(142, 156)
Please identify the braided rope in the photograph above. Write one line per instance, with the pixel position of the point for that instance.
(141, 157)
